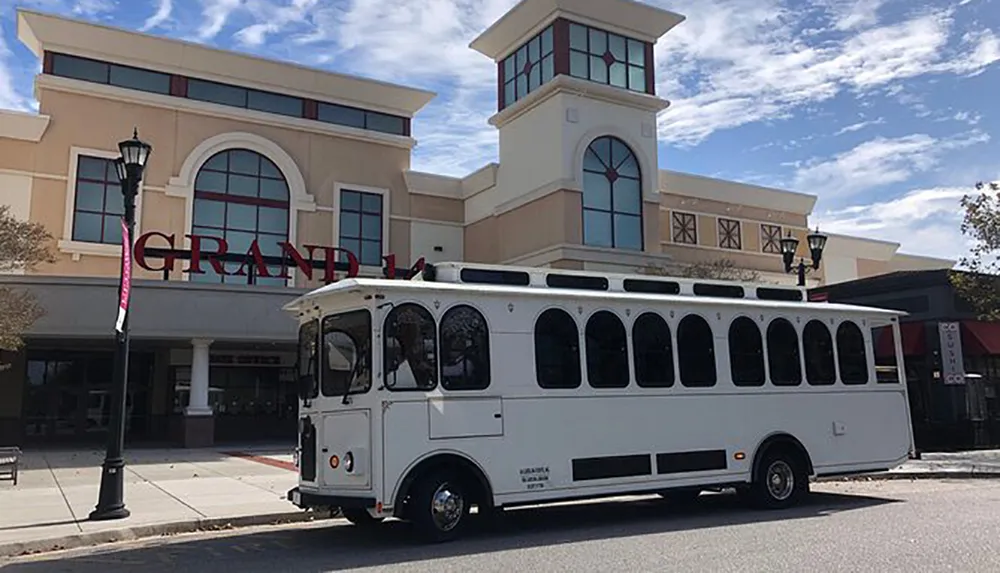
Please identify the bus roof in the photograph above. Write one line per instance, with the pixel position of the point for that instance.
(352, 285)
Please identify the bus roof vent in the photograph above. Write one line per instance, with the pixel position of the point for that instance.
(540, 277)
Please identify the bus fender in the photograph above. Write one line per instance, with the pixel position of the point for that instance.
(439, 459)
(780, 439)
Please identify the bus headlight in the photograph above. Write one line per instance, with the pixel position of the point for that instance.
(349, 462)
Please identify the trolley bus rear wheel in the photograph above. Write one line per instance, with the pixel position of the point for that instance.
(439, 506)
(780, 481)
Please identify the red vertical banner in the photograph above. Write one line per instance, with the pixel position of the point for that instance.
(126, 278)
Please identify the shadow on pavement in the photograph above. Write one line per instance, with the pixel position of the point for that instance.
(345, 547)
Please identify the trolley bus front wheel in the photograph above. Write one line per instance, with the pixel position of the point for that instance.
(439, 507)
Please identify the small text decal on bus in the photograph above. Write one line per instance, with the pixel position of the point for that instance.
(535, 478)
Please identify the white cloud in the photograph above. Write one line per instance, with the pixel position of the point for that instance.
(215, 12)
(924, 221)
(160, 16)
(737, 62)
(9, 98)
(881, 161)
(859, 126)
(850, 14)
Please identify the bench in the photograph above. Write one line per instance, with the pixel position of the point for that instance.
(10, 461)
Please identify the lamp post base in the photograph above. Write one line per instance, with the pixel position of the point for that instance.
(111, 504)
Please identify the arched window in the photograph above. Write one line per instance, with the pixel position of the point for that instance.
(818, 345)
(612, 195)
(783, 353)
(465, 349)
(240, 196)
(696, 352)
(410, 353)
(746, 353)
(557, 350)
(652, 352)
(607, 351)
(851, 355)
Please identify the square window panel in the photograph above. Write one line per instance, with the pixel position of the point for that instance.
(597, 228)
(89, 196)
(87, 227)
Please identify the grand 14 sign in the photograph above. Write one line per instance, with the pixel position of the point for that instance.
(207, 251)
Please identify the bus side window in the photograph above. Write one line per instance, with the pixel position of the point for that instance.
(465, 349)
(851, 354)
(410, 351)
(696, 351)
(652, 352)
(783, 353)
(746, 352)
(557, 350)
(607, 351)
(818, 343)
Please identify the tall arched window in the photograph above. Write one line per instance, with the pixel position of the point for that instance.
(612, 195)
(239, 196)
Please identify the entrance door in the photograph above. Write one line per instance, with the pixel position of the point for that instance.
(68, 396)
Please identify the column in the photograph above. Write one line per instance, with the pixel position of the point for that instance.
(198, 401)
(199, 424)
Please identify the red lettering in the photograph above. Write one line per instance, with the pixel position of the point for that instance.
(258, 259)
(139, 252)
(330, 257)
(196, 253)
(390, 266)
(300, 261)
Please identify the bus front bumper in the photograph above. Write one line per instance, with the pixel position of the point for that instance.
(307, 500)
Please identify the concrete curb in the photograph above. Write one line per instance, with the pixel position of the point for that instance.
(155, 530)
(914, 476)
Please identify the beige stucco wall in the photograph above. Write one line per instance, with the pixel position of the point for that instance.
(551, 220)
(96, 123)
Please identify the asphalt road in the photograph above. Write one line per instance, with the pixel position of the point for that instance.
(924, 526)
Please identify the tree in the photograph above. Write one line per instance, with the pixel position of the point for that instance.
(23, 246)
(717, 269)
(979, 283)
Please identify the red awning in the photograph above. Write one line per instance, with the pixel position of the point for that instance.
(981, 337)
(914, 340)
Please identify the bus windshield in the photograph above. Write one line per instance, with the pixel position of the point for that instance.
(347, 353)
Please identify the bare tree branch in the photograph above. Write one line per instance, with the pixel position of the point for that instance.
(23, 246)
(718, 269)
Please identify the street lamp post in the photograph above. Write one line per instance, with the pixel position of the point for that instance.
(111, 503)
(789, 245)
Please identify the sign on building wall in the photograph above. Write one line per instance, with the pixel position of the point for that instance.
(952, 364)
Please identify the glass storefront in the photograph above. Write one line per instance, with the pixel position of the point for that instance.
(253, 398)
(68, 395)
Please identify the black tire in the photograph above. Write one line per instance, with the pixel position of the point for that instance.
(439, 506)
(360, 517)
(781, 479)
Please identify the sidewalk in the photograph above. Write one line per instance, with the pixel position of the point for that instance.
(166, 491)
(969, 464)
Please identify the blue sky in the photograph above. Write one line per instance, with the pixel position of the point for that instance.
(879, 107)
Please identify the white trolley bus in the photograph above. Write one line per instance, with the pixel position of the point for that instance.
(490, 386)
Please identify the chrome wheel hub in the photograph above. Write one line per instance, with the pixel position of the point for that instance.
(447, 507)
(780, 480)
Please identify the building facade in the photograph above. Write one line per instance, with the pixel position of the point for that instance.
(268, 179)
(952, 358)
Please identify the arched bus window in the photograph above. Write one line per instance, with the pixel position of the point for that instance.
(410, 349)
(783, 353)
(308, 382)
(746, 353)
(652, 351)
(465, 349)
(557, 350)
(347, 353)
(852, 358)
(607, 351)
(696, 352)
(818, 345)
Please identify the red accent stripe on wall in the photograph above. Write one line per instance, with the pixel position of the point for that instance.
(650, 74)
(560, 46)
